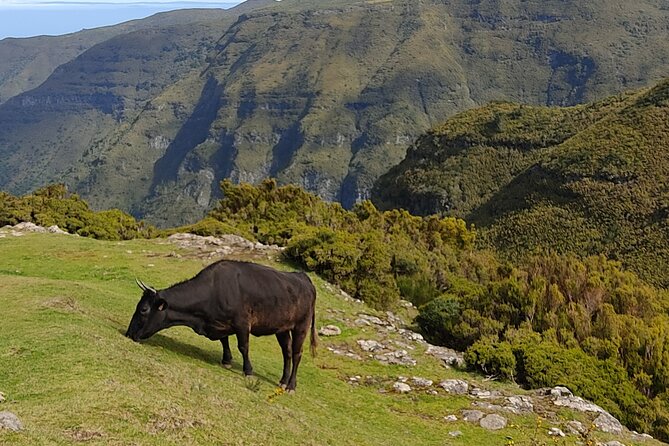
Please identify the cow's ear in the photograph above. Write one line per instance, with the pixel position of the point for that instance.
(162, 305)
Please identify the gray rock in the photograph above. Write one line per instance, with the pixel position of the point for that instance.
(450, 418)
(576, 427)
(421, 382)
(560, 391)
(472, 415)
(488, 406)
(449, 357)
(411, 335)
(56, 230)
(613, 443)
(637, 436)
(370, 345)
(605, 422)
(556, 432)
(577, 403)
(519, 404)
(398, 357)
(493, 422)
(401, 387)
(455, 433)
(372, 319)
(485, 394)
(10, 421)
(329, 330)
(454, 386)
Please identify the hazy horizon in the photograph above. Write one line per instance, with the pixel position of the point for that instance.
(36, 18)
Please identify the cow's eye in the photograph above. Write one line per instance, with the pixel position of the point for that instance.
(144, 310)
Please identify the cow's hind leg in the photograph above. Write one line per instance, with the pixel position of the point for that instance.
(227, 353)
(243, 345)
(286, 349)
(299, 334)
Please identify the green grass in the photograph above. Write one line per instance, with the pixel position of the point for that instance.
(71, 376)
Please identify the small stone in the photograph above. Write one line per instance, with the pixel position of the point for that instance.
(329, 330)
(472, 415)
(450, 418)
(2, 397)
(613, 443)
(576, 427)
(455, 434)
(454, 386)
(401, 387)
(10, 421)
(555, 432)
(362, 322)
(493, 422)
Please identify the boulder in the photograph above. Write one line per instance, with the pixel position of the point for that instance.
(519, 404)
(493, 422)
(560, 391)
(421, 382)
(454, 386)
(606, 422)
(449, 357)
(577, 403)
(472, 415)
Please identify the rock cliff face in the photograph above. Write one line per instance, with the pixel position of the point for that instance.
(324, 94)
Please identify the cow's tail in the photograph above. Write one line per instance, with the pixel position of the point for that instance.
(314, 334)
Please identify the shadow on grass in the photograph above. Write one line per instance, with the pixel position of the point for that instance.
(182, 348)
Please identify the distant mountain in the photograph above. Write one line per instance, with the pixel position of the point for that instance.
(27, 62)
(323, 93)
(589, 179)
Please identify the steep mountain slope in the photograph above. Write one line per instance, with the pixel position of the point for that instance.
(585, 179)
(326, 94)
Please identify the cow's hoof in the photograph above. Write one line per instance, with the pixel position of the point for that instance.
(282, 385)
(290, 391)
(226, 366)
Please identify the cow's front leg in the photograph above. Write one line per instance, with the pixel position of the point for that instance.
(243, 345)
(227, 354)
(284, 342)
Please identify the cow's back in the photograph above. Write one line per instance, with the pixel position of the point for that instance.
(272, 300)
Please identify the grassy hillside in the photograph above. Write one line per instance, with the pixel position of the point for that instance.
(71, 375)
(589, 179)
(325, 94)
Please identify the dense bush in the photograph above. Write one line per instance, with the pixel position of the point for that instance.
(53, 205)
(560, 320)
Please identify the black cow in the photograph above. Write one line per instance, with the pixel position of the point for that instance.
(240, 298)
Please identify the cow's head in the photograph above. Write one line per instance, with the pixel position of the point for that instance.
(149, 317)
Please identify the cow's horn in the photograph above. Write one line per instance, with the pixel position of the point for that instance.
(144, 286)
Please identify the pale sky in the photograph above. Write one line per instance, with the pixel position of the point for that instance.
(27, 18)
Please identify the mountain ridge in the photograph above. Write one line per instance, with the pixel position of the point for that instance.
(327, 95)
